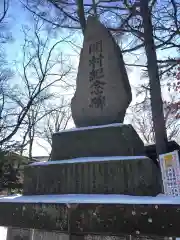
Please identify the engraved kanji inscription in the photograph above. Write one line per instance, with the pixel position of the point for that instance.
(97, 99)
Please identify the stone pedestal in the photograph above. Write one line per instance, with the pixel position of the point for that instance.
(103, 160)
(103, 175)
(107, 140)
(94, 215)
(90, 187)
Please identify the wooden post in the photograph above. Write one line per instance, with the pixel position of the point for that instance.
(155, 88)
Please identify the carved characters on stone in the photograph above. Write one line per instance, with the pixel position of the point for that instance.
(96, 75)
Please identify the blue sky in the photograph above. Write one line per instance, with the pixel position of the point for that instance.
(18, 17)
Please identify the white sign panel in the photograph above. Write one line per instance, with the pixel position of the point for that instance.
(170, 168)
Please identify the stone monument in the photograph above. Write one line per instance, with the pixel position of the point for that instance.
(99, 177)
(102, 92)
(102, 96)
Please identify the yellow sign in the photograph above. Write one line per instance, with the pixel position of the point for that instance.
(168, 159)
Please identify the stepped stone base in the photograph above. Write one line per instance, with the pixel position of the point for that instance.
(108, 140)
(55, 235)
(96, 218)
(30, 234)
(86, 171)
(110, 175)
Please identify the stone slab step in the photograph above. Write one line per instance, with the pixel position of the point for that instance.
(111, 175)
(107, 140)
(15, 233)
(93, 214)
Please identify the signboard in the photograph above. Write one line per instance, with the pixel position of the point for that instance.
(170, 168)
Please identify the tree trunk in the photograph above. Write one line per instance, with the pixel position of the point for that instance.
(155, 87)
(81, 14)
(31, 140)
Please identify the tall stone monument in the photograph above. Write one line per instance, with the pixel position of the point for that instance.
(79, 192)
(102, 96)
(103, 92)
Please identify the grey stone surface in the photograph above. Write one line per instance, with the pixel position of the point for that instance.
(14, 233)
(103, 92)
(155, 219)
(121, 140)
(138, 176)
(42, 235)
(25, 216)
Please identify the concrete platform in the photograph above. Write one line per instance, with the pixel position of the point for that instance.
(131, 175)
(93, 214)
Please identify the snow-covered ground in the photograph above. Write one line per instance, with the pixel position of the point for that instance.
(3, 233)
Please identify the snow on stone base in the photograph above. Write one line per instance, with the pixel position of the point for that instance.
(91, 127)
(92, 199)
(89, 159)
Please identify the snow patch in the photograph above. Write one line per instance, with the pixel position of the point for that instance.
(91, 127)
(89, 159)
(92, 199)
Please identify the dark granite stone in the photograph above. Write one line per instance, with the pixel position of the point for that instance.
(131, 177)
(34, 215)
(19, 234)
(51, 235)
(119, 140)
(101, 219)
(103, 92)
